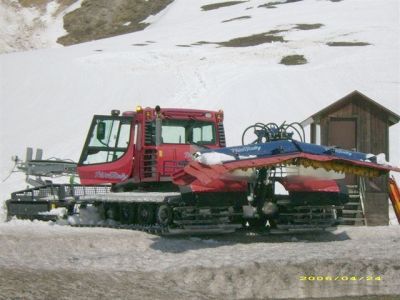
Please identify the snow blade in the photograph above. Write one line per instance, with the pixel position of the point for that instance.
(217, 164)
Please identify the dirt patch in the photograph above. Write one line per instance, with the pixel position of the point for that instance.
(219, 5)
(308, 26)
(97, 19)
(63, 5)
(274, 4)
(291, 60)
(248, 41)
(347, 44)
(34, 3)
(202, 43)
(238, 18)
(253, 40)
(41, 4)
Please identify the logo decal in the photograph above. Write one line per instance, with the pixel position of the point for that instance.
(111, 175)
(245, 149)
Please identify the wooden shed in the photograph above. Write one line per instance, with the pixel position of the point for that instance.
(356, 122)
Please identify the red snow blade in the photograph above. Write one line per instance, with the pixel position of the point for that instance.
(207, 173)
(306, 183)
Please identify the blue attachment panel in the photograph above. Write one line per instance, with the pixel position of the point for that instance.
(282, 147)
(336, 152)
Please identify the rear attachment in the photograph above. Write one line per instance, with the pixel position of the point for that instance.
(43, 202)
(36, 168)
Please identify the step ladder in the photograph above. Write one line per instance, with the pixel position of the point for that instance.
(352, 212)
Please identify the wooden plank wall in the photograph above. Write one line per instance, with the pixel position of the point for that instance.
(372, 130)
(372, 125)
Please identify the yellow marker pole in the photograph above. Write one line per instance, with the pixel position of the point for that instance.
(394, 195)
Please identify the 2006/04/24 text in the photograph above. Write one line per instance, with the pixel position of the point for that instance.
(340, 278)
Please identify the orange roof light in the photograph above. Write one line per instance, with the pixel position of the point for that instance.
(220, 115)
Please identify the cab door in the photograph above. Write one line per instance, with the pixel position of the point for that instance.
(107, 156)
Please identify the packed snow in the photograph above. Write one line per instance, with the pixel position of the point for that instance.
(49, 96)
(212, 267)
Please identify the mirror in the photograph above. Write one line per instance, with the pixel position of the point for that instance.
(101, 130)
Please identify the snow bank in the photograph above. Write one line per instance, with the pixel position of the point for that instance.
(235, 266)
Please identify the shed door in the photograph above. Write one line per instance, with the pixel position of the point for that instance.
(343, 134)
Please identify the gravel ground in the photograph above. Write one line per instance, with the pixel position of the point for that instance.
(42, 261)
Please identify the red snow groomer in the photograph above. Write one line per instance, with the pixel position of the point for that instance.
(168, 171)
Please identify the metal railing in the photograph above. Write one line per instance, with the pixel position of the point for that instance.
(362, 189)
(59, 192)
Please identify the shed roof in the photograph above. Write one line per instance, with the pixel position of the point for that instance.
(392, 117)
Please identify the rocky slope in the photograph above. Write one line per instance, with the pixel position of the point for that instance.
(33, 24)
(97, 19)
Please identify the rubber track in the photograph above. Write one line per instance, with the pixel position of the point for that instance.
(153, 229)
